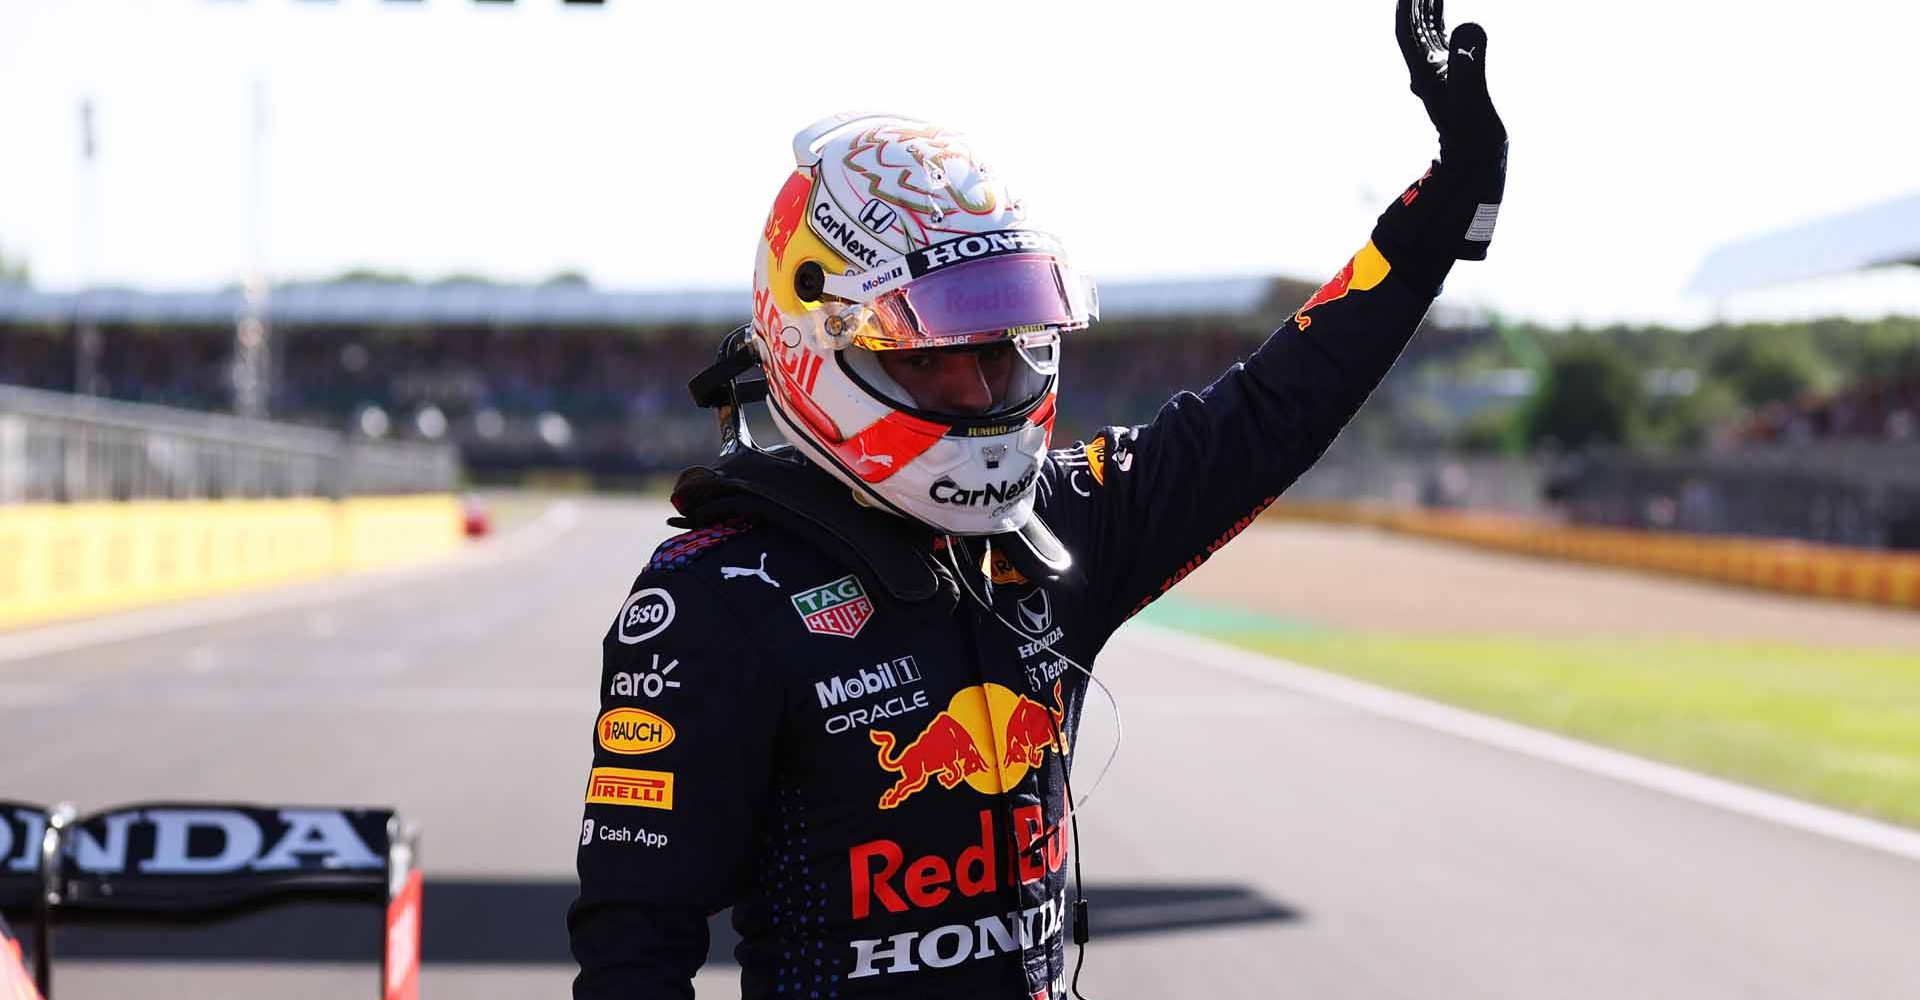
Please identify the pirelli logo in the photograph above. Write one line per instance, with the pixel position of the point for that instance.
(621, 786)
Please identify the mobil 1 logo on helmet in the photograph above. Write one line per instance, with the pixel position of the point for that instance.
(646, 614)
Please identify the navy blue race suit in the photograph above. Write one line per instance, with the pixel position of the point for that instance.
(782, 735)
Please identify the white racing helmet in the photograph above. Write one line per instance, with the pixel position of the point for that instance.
(891, 235)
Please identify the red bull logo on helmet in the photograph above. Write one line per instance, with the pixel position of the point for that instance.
(784, 220)
(987, 737)
(1363, 273)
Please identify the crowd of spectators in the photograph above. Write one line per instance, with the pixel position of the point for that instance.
(1885, 410)
(612, 402)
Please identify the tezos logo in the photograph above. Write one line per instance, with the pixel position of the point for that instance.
(945, 490)
(646, 614)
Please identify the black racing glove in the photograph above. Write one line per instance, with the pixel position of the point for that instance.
(1449, 214)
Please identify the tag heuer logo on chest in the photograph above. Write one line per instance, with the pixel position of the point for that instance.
(839, 608)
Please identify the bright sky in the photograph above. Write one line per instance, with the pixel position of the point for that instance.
(643, 142)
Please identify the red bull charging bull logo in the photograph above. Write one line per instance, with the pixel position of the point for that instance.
(988, 737)
(1363, 273)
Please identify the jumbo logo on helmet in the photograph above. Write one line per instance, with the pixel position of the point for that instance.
(890, 157)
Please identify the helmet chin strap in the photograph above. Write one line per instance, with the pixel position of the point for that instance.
(1036, 552)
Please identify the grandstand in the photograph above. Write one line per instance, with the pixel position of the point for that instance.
(559, 376)
(567, 379)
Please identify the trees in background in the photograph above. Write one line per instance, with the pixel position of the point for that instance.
(1591, 393)
(1774, 365)
(1661, 387)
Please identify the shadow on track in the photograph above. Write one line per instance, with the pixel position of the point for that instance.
(524, 923)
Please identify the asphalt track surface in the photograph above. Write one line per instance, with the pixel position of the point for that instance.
(1253, 840)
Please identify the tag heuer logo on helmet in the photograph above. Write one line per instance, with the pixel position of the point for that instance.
(839, 608)
(994, 244)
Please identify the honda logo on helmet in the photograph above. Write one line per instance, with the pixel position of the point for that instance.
(993, 244)
(877, 217)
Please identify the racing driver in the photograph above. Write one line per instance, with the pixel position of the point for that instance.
(844, 701)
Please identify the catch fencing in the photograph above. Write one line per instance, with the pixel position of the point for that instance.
(1863, 494)
(61, 448)
(1857, 494)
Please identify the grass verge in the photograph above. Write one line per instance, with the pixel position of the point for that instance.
(1839, 726)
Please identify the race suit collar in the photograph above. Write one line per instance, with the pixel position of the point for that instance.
(748, 483)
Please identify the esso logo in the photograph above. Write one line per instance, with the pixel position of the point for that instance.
(646, 614)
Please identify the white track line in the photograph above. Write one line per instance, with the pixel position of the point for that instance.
(139, 623)
(1573, 753)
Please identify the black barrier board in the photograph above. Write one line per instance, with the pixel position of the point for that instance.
(21, 827)
(186, 858)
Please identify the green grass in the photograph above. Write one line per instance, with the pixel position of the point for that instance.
(1839, 726)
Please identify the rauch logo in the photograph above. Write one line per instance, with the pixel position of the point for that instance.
(633, 731)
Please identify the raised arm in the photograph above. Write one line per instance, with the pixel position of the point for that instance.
(1145, 505)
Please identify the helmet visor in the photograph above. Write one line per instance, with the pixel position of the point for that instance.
(976, 302)
(964, 384)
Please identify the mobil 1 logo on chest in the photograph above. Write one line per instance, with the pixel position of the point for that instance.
(866, 696)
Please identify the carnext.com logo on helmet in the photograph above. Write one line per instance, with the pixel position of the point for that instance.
(945, 490)
(992, 244)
